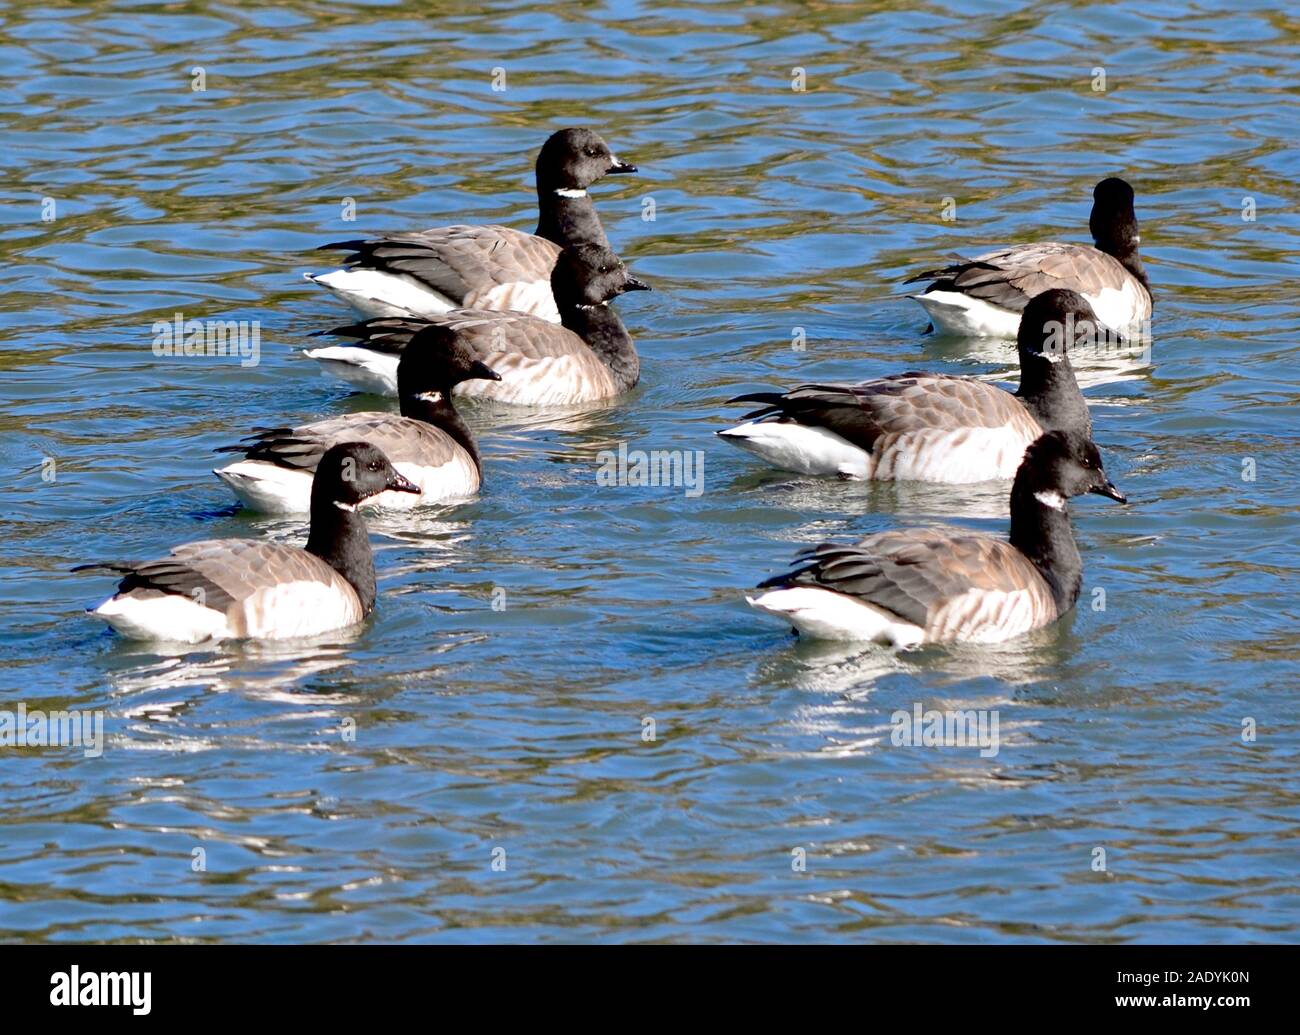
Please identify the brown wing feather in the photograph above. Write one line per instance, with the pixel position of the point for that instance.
(864, 413)
(223, 573)
(463, 263)
(518, 346)
(934, 578)
(1010, 277)
(487, 331)
(521, 347)
(243, 566)
(402, 439)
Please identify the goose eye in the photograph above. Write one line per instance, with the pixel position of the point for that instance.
(591, 152)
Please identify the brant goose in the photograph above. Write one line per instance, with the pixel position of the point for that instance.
(588, 357)
(429, 272)
(984, 296)
(247, 589)
(428, 444)
(907, 587)
(930, 427)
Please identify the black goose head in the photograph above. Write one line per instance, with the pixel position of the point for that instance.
(1113, 223)
(434, 362)
(1061, 464)
(590, 275)
(574, 159)
(1056, 321)
(351, 472)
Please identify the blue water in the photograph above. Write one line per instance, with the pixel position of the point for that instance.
(515, 735)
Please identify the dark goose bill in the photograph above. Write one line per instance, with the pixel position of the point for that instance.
(1110, 492)
(398, 483)
(480, 371)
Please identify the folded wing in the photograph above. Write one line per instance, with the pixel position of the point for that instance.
(1011, 277)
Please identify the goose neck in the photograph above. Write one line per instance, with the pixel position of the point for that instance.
(604, 333)
(568, 218)
(1050, 392)
(1128, 256)
(1041, 530)
(339, 538)
(436, 408)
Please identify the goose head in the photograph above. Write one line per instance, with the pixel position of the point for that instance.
(590, 275)
(573, 159)
(435, 361)
(351, 472)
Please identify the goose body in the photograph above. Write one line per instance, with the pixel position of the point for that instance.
(221, 589)
(540, 363)
(587, 358)
(916, 586)
(985, 296)
(908, 587)
(926, 426)
(276, 474)
(428, 444)
(429, 272)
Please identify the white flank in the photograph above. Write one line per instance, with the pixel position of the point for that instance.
(272, 489)
(985, 616)
(822, 614)
(534, 297)
(455, 479)
(267, 487)
(162, 617)
(951, 312)
(293, 609)
(797, 447)
(284, 611)
(1123, 308)
(955, 457)
(364, 368)
(375, 293)
(549, 381)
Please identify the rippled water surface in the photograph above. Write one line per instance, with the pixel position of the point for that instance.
(516, 734)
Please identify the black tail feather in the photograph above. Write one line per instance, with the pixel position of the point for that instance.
(352, 330)
(930, 275)
(766, 398)
(116, 567)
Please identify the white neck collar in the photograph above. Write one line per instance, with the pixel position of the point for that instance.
(1051, 499)
(570, 192)
(350, 507)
